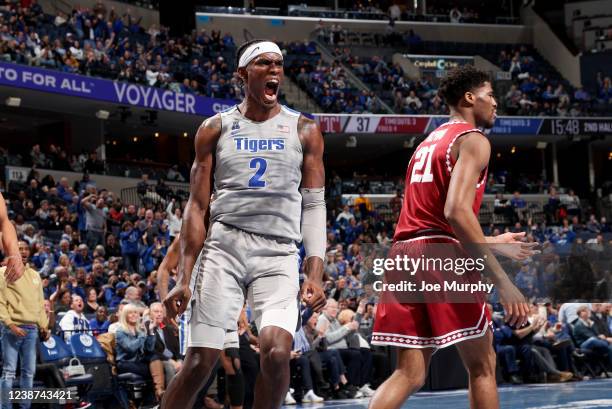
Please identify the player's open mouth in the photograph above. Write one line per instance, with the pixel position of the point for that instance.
(271, 88)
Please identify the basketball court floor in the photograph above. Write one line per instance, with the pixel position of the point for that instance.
(595, 393)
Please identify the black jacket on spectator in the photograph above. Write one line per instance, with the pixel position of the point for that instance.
(600, 325)
(583, 332)
(171, 342)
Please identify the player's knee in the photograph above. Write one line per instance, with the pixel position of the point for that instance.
(276, 356)
(196, 364)
(482, 368)
(416, 380)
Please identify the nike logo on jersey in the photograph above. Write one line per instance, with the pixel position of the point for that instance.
(257, 145)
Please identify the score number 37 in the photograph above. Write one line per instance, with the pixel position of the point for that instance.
(421, 171)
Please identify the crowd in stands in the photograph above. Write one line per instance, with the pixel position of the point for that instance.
(408, 96)
(100, 42)
(328, 84)
(88, 162)
(538, 90)
(536, 87)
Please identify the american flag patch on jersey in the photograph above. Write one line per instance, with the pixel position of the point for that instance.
(283, 128)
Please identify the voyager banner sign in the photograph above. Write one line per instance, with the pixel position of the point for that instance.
(117, 92)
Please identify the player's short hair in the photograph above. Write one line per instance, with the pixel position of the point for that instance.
(459, 81)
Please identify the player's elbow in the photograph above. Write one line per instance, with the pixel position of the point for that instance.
(453, 213)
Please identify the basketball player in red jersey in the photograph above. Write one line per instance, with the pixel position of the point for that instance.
(445, 183)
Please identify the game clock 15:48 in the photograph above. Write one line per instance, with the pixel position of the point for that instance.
(564, 126)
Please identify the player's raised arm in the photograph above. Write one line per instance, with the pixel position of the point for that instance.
(14, 265)
(473, 158)
(193, 231)
(313, 211)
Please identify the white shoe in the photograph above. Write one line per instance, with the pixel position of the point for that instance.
(358, 395)
(311, 397)
(366, 390)
(289, 399)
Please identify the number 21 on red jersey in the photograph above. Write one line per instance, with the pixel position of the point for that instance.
(421, 171)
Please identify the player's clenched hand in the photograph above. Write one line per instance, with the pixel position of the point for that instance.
(176, 301)
(313, 294)
(517, 310)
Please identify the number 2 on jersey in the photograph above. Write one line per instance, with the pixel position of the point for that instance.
(423, 159)
(261, 165)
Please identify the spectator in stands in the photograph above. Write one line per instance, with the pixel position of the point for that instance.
(136, 346)
(134, 296)
(503, 206)
(129, 246)
(95, 221)
(568, 312)
(166, 341)
(412, 104)
(62, 298)
(23, 315)
(100, 323)
(82, 257)
(593, 225)
(587, 337)
(174, 219)
(174, 175)
(143, 187)
(304, 358)
(356, 342)
(504, 348)
(91, 306)
(74, 321)
(149, 227)
(519, 206)
(604, 95)
(93, 164)
(600, 317)
(552, 207)
(345, 216)
(455, 15)
(538, 358)
(336, 336)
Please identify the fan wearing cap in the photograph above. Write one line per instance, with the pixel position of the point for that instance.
(264, 162)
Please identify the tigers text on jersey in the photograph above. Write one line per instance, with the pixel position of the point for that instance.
(258, 173)
(427, 181)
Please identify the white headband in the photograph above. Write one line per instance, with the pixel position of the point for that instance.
(257, 49)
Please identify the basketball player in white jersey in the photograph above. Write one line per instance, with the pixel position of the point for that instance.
(265, 163)
(230, 357)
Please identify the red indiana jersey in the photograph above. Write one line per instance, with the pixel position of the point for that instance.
(427, 181)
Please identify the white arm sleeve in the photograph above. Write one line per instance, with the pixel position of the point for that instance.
(314, 221)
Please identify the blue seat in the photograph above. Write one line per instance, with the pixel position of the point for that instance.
(55, 351)
(89, 351)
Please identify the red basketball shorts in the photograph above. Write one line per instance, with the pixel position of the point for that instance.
(429, 322)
